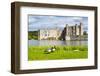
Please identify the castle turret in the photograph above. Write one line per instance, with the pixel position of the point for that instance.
(67, 29)
(67, 36)
(81, 29)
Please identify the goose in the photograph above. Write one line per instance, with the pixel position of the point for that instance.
(49, 50)
(53, 49)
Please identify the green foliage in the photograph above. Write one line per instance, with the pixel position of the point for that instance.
(62, 52)
(33, 35)
(85, 33)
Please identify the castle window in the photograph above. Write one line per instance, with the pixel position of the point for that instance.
(45, 34)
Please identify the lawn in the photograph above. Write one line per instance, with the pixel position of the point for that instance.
(61, 52)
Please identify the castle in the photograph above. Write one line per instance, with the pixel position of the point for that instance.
(68, 33)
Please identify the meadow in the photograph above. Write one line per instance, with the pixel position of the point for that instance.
(61, 52)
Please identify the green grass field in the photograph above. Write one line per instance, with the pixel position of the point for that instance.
(61, 52)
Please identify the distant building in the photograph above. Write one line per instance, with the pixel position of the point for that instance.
(68, 33)
(51, 34)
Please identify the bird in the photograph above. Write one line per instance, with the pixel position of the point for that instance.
(53, 49)
(49, 50)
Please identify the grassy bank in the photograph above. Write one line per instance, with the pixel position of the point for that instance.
(61, 52)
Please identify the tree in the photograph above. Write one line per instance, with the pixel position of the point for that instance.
(85, 33)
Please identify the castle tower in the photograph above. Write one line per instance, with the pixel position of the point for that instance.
(75, 29)
(67, 30)
(67, 36)
(81, 29)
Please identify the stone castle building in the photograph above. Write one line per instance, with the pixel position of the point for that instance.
(51, 34)
(68, 33)
(72, 32)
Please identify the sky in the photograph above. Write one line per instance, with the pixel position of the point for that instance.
(36, 22)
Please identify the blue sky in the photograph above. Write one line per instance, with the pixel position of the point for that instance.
(36, 22)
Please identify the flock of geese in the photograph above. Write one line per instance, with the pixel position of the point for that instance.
(50, 50)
